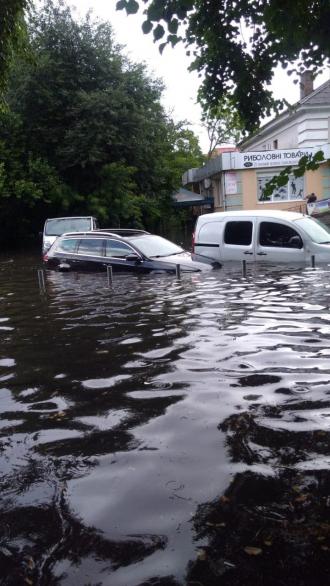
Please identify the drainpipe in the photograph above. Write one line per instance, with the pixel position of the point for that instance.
(224, 199)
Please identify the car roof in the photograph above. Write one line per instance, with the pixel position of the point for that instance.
(280, 214)
(120, 233)
(70, 218)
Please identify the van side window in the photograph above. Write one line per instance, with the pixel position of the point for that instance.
(279, 235)
(239, 233)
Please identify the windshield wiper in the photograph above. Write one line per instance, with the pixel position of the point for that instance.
(163, 255)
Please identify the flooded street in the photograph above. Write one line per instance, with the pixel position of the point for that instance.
(164, 432)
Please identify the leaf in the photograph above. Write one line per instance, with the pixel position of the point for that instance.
(173, 39)
(132, 7)
(224, 499)
(202, 555)
(173, 26)
(158, 32)
(319, 156)
(252, 550)
(121, 5)
(146, 26)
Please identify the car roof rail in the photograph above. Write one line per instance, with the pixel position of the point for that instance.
(122, 231)
(87, 233)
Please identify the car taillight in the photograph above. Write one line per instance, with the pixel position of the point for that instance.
(193, 242)
(45, 257)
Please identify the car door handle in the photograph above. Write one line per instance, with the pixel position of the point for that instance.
(262, 253)
(247, 252)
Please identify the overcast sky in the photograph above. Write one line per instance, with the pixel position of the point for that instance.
(172, 66)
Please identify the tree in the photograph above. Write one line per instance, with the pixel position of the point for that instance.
(223, 125)
(237, 45)
(12, 34)
(28, 183)
(85, 131)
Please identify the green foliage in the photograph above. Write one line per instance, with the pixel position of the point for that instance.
(306, 163)
(85, 131)
(223, 125)
(12, 34)
(237, 45)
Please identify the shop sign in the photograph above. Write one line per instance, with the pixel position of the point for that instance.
(262, 159)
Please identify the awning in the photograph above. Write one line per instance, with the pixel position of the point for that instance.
(185, 198)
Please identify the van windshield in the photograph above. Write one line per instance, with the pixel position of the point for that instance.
(316, 230)
(58, 226)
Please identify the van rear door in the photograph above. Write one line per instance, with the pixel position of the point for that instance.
(207, 238)
(238, 239)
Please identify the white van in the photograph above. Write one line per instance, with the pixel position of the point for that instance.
(257, 235)
(55, 227)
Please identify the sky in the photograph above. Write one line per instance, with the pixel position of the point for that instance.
(180, 95)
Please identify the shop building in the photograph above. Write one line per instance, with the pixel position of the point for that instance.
(236, 180)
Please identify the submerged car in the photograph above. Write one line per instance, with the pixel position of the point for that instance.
(122, 249)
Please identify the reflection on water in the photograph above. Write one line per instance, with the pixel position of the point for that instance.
(164, 432)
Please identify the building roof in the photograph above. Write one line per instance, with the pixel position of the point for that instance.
(319, 97)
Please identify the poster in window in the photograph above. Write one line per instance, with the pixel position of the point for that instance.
(230, 183)
(296, 187)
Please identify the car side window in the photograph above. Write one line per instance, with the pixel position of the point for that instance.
(239, 233)
(279, 235)
(90, 246)
(68, 245)
(117, 248)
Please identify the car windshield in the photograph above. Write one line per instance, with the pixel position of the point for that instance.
(155, 246)
(316, 230)
(58, 226)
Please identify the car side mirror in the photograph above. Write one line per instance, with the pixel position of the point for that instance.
(133, 257)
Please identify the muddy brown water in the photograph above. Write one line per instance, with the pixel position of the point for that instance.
(164, 432)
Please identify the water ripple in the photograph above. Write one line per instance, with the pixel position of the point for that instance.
(137, 422)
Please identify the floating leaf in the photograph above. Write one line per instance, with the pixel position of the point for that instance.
(224, 499)
(202, 555)
(252, 550)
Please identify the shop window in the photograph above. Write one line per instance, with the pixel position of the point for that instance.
(293, 190)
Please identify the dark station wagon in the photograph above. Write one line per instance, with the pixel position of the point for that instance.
(122, 249)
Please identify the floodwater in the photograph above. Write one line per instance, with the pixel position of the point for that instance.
(164, 432)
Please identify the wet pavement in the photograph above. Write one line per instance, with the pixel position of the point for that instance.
(164, 432)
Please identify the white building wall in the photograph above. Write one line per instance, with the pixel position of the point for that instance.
(311, 128)
(287, 138)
